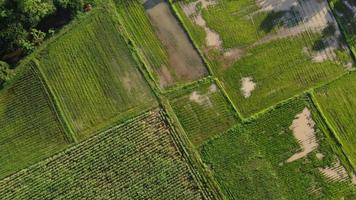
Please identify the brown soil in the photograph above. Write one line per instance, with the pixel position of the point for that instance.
(184, 60)
(303, 131)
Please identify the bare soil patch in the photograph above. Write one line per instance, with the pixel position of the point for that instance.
(303, 131)
(337, 172)
(247, 86)
(184, 60)
(319, 156)
(203, 99)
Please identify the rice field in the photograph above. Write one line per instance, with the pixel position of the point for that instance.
(135, 160)
(250, 161)
(93, 74)
(283, 50)
(203, 111)
(164, 45)
(337, 102)
(30, 127)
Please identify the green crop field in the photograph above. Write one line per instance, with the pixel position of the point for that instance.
(249, 161)
(29, 127)
(177, 99)
(337, 102)
(274, 49)
(135, 21)
(93, 74)
(135, 160)
(164, 46)
(347, 19)
(203, 112)
(282, 72)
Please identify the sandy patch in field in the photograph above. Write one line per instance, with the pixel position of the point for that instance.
(199, 99)
(184, 61)
(213, 88)
(247, 86)
(303, 131)
(319, 156)
(203, 99)
(212, 38)
(336, 172)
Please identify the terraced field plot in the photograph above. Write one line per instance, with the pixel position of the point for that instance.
(263, 160)
(135, 160)
(203, 112)
(338, 103)
(345, 12)
(265, 51)
(29, 127)
(165, 46)
(93, 74)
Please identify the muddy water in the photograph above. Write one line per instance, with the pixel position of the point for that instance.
(185, 64)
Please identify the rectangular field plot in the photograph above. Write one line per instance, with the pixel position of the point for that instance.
(93, 74)
(280, 155)
(165, 46)
(337, 102)
(345, 12)
(29, 127)
(135, 160)
(203, 112)
(266, 51)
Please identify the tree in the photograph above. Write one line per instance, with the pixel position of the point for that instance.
(36, 10)
(4, 72)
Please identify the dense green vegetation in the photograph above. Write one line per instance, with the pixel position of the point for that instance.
(280, 70)
(337, 102)
(30, 128)
(203, 112)
(249, 161)
(347, 19)
(280, 67)
(135, 160)
(93, 75)
(24, 24)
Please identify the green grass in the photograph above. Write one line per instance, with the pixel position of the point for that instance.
(93, 75)
(280, 70)
(30, 128)
(203, 112)
(135, 160)
(347, 21)
(139, 28)
(337, 102)
(248, 161)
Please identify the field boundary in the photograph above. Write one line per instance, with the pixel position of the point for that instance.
(54, 107)
(343, 32)
(328, 125)
(204, 176)
(191, 39)
(54, 100)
